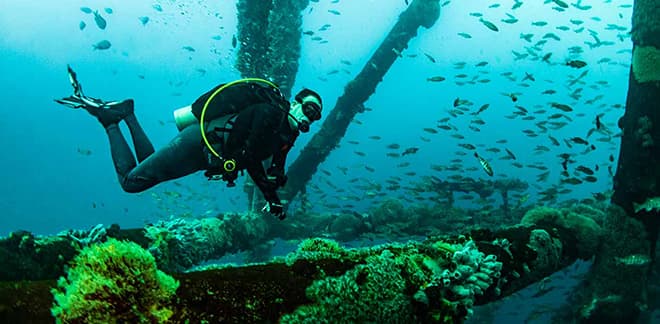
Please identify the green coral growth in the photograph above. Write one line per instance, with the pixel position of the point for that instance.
(371, 292)
(113, 282)
(395, 281)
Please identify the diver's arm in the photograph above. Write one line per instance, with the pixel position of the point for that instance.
(277, 165)
(267, 187)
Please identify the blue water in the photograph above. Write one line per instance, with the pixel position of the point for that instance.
(48, 185)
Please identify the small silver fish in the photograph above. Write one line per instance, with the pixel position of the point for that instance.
(636, 260)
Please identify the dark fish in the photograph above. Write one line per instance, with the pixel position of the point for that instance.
(510, 153)
(516, 4)
(144, 20)
(576, 64)
(86, 10)
(436, 79)
(562, 107)
(482, 109)
(430, 57)
(598, 125)
(611, 158)
(410, 150)
(590, 178)
(334, 12)
(573, 181)
(528, 77)
(82, 25)
(102, 45)
(579, 140)
(108, 11)
(488, 24)
(584, 170)
(430, 130)
(561, 3)
(100, 22)
(484, 164)
(233, 41)
(188, 48)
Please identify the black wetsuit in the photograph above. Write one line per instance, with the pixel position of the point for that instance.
(259, 132)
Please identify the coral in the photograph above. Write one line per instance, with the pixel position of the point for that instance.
(315, 249)
(113, 282)
(548, 249)
(540, 214)
(390, 211)
(444, 278)
(371, 292)
(646, 64)
(586, 230)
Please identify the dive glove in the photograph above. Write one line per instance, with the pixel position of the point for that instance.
(276, 209)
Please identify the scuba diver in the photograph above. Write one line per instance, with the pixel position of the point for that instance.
(233, 127)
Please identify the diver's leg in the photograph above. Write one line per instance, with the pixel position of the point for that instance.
(122, 156)
(182, 156)
(142, 144)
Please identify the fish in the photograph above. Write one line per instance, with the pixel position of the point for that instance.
(82, 25)
(102, 45)
(233, 41)
(334, 12)
(529, 76)
(410, 150)
(86, 10)
(562, 107)
(560, 3)
(573, 181)
(650, 204)
(144, 20)
(576, 64)
(188, 48)
(482, 109)
(484, 164)
(579, 140)
(83, 151)
(584, 170)
(436, 79)
(510, 153)
(539, 23)
(527, 37)
(430, 57)
(100, 22)
(516, 4)
(513, 96)
(465, 35)
(636, 260)
(430, 130)
(488, 24)
(108, 11)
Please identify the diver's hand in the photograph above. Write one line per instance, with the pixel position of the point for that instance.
(276, 209)
(279, 180)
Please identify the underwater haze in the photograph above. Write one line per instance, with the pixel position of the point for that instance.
(485, 79)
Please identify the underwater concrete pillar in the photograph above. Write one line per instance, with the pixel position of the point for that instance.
(268, 42)
(637, 178)
(419, 13)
